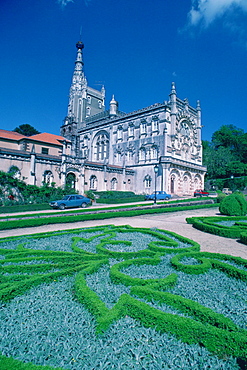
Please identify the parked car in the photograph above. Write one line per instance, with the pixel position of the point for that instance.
(226, 191)
(71, 201)
(201, 193)
(160, 195)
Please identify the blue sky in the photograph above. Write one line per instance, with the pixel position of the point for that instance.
(135, 48)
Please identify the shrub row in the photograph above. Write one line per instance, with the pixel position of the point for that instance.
(243, 238)
(34, 222)
(24, 208)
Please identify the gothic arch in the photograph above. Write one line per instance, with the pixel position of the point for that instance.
(101, 146)
(93, 182)
(70, 180)
(174, 183)
(197, 182)
(47, 177)
(114, 183)
(147, 181)
(186, 182)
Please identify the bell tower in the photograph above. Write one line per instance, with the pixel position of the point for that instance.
(84, 101)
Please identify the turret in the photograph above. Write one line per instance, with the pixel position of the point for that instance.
(199, 117)
(173, 103)
(113, 107)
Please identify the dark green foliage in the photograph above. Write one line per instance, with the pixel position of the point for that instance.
(243, 238)
(26, 130)
(15, 208)
(233, 205)
(111, 197)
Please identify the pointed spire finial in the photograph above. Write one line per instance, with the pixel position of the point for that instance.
(173, 90)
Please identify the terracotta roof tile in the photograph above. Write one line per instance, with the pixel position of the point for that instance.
(11, 135)
(49, 138)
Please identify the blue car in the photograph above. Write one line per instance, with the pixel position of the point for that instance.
(160, 195)
(71, 201)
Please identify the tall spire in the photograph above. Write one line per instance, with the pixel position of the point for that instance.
(79, 59)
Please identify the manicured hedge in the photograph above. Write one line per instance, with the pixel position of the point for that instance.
(209, 224)
(243, 238)
(208, 260)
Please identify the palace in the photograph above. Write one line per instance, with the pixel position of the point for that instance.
(100, 149)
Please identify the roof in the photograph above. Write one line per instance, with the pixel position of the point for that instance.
(49, 138)
(44, 137)
(12, 135)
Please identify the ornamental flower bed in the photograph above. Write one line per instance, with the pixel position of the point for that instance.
(229, 227)
(120, 298)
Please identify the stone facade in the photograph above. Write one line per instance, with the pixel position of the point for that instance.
(118, 151)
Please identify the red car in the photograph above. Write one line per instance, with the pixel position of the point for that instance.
(201, 193)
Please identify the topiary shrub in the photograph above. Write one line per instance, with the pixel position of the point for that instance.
(220, 197)
(233, 205)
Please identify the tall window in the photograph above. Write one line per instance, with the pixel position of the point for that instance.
(102, 147)
(147, 181)
(129, 155)
(93, 182)
(120, 133)
(154, 152)
(155, 126)
(142, 154)
(131, 131)
(143, 127)
(114, 184)
(70, 181)
(48, 177)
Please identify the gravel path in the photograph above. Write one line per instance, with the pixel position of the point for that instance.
(174, 221)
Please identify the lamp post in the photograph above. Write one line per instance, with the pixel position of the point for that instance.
(156, 169)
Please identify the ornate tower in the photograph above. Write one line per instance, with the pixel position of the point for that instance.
(84, 101)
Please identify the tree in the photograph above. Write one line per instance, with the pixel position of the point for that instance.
(217, 161)
(26, 130)
(228, 136)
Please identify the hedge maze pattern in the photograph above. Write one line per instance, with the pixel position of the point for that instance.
(44, 258)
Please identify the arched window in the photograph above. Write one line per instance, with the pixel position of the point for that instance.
(47, 177)
(147, 181)
(114, 184)
(70, 181)
(101, 147)
(93, 182)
